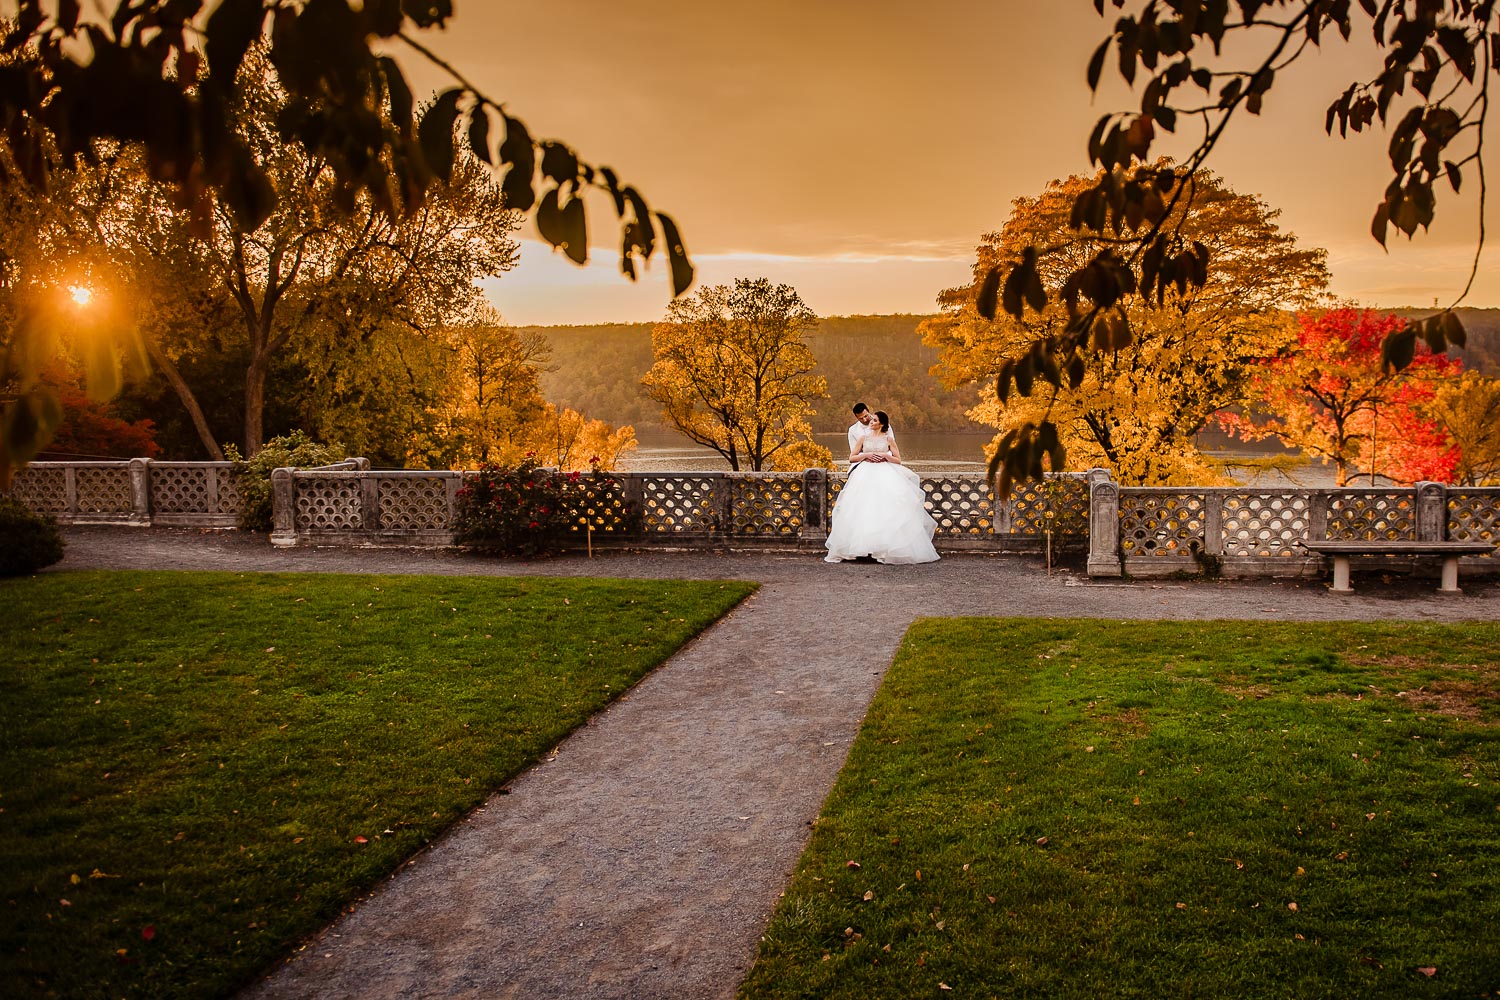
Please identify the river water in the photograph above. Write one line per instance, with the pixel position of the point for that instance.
(935, 454)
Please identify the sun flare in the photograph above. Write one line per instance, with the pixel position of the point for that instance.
(81, 294)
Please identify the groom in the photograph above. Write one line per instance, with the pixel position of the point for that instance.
(864, 423)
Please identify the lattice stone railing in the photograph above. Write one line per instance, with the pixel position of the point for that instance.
(1237, 531)
(139, 491)
(672, 509)
(1258, 532)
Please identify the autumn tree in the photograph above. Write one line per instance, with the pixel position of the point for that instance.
(1135, 403)
(1432, 66)
(571, 442)
(163, 75)
(732, 370)
(1468, 410)
(1330, 396)
(90, 427)
(494, 390)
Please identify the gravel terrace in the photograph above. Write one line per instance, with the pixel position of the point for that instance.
(642, 858)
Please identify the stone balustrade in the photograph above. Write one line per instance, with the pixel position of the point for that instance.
(138, 491)
(653, 509)
(1247, 531)
(1128, 531)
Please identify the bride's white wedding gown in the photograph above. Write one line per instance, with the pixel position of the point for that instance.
(880, 513)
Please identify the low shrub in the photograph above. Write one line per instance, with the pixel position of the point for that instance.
(28, 541)
(253, 478)
(518, 510)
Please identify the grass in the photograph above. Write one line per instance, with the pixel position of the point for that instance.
(198, 769)
(1049, 808)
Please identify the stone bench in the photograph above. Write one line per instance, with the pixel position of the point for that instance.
(1450, 552)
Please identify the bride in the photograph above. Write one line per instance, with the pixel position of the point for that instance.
(880, 511)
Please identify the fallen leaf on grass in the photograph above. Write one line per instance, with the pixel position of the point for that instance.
(944, 986)
(869, 895)
(361, 840)
(1292, 907)
(1041, 842)
(851, 864)
(1427, 970)
(148, 932)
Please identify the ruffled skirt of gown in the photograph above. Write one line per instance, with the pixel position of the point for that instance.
(880, 513)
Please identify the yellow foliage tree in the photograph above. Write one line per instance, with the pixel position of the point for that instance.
(733, 372)
(571, 442)
(1468, 407)
(1135, 405)
(801, 455)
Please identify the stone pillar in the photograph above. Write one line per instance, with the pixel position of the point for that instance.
(723, 505)
(633, 485)
(1104, 525)
(814, 505)
(283, 508)
(1213, 523)
(70, 490)
(140, 491)
(454, 482)
(1319, 506)
(369, 501)
(1432, 512)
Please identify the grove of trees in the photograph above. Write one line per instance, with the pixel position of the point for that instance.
(161, 79)
(1201, 63)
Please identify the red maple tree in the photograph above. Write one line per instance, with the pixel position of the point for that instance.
(1330, 396)
(91, 429)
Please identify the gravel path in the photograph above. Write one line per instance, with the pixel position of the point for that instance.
(643, 858)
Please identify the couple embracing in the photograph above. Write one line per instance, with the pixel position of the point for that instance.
(880, 513)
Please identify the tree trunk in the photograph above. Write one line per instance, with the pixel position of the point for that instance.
(189, 401)
(255, 405)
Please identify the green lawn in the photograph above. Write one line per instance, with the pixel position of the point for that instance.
(1051, 808)
(197, 769)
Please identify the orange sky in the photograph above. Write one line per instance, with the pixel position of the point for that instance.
(857, 150)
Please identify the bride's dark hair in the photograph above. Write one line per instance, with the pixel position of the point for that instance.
(885, 421)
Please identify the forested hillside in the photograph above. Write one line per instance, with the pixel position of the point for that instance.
(1483, 328)
(877, 359)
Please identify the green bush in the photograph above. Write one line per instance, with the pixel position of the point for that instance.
(253, 478)
(515, 510)
(28, 541)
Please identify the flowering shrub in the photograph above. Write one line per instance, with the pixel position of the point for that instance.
(514, 510)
